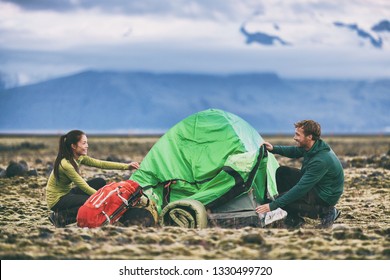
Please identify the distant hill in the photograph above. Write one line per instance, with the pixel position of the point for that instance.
(131, 102)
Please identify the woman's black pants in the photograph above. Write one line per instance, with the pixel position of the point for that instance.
(67, 207)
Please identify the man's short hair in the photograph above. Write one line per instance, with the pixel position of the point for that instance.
(310, 127)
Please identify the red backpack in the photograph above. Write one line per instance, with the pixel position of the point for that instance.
(108, 204)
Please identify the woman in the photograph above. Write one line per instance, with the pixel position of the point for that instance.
(66, 190)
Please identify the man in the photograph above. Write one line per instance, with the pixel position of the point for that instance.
(314, 190)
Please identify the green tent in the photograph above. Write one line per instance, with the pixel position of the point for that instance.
(213, 157)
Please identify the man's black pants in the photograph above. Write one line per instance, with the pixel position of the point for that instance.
(310, 205)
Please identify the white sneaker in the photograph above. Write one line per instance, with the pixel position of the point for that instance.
(272, 216)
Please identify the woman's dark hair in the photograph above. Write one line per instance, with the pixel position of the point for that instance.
(65, 150)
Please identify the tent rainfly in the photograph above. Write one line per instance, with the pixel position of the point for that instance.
(212, 157)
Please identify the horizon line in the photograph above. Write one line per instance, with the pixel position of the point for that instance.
(160, 134)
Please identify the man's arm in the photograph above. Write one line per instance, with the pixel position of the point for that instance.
(314, 173)
(288, 151)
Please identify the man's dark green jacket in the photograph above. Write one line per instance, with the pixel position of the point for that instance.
(321, 170)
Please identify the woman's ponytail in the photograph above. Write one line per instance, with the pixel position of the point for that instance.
(65, 150)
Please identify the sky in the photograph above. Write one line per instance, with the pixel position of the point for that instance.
(44, 39)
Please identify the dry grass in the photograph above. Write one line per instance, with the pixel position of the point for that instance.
(361, 232)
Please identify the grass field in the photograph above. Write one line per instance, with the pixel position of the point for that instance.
(361, 232)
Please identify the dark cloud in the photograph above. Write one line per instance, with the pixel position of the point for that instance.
(382, 26)
(377, 43)
(58, 5)
(262, 38)
(145, 6)
(181, 8)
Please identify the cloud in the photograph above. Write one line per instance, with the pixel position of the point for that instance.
(261, 38)
(53, 30)
(179, 8)
(44, 37)
(53, 25)
(58, 5)
(383, 26)
(376, 42)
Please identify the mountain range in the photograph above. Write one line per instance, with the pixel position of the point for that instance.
(145, 102)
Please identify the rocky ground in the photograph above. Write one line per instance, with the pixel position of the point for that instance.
(361, 232)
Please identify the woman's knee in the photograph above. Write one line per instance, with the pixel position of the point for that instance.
(70, 201)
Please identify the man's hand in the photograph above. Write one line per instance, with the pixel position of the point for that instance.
(264, 208)
(268, 146)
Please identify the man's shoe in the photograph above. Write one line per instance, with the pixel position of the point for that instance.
(338, 212)
(328, 219)
(293, 221)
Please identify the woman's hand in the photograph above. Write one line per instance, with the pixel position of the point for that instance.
(133, 165)
(263, 209)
